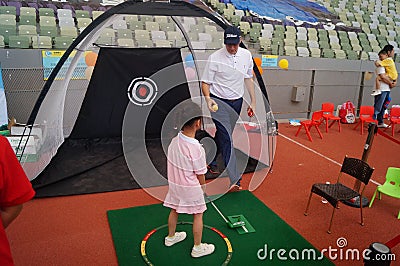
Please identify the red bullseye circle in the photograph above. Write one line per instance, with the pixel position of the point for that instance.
(142, 91)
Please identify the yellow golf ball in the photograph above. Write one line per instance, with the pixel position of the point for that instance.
(215, 107)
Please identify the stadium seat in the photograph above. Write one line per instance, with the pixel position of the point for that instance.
(244, 27)
(142, 35)
(352, 55)
(290, 50)
(96, 13)
(62, 42)
(82, 14)
(162, 43)
(151, 26)
(8, 19)
(83, 23)
(159, 35)
(64, 13)
(10, 10)
(66, 21)
(167, 26)
(124, 34)
(161, 19)
(47, 21)
(315, 52)
(21, 42)
(119, 24)
(125, 42)
(254, 35)
(27, 20)
(235, 20)
(27, 30)
(51, 31)
(303, 51)
(69, 31)
(174, 35)
(27, 11)
(136, 25)
(44, 42)
(6, 31)
(2, 44)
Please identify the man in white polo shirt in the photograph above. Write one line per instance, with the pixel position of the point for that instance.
(227, 72)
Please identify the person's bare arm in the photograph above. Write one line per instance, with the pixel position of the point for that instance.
(250, 88)
(378, 63)
(205, 87)
(386, 79)
(202, 180)
(8, 214)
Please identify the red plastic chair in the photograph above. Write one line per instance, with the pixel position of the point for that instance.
(316, 120)
(328, 109)
(394, 118)
(366, 114)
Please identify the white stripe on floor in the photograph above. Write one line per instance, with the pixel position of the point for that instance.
(319, 154)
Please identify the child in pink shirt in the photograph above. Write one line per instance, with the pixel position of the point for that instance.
(186, 168)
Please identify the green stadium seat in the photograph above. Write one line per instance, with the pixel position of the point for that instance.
(46, 12)
(2, 44)
(10, 10)
(21, 42)
(254, 35)
(315, 52)
(27, 20)
(69, 31)
(256, 26)
(124, 34)
(83, 22)
(277, 41)
(27, 11)
(124, 42)
(136, 25)
(151, 25)
(244, 27)
(47, 21)
(235, 19)
(277, 49)
(6, 31)
(62, 42)
(352, 55)
(167, 26)
(27, 30)
(142, 35)
(8, 19)
(228, 13)
(328, 53)
(290, 50)
(51, 31)
(161, 19)
(324, 45)
(96, 13)
(145, 43)
(44, 42)
(301, 43)
(82, 14)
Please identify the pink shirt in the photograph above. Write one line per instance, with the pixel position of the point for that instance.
(186, 159)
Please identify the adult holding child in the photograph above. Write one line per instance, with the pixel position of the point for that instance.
(227, 72)
(386, 80)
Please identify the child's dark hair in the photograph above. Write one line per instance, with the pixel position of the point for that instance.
(383, 51)
(188, 113)
(388, 48)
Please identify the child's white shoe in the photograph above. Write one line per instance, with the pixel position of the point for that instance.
(178, 237)
(202, 250)
(374, 93)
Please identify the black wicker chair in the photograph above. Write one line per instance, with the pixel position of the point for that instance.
(334, 193)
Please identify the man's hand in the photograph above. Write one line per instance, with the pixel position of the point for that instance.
(377, 63)
(393, 84)
(210, 104)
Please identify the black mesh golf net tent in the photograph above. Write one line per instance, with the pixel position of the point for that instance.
(106, 111)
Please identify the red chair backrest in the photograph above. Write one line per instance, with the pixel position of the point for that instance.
(328, 107)
(395, 112)
(366, 111)
(317, 116)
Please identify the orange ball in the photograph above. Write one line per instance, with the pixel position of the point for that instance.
(90, 59)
